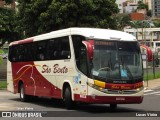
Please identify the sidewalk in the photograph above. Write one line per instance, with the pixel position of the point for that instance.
(152, 83)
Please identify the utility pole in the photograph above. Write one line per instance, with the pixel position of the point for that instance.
(142, 30)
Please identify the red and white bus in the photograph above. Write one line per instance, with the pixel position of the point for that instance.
(78, 65)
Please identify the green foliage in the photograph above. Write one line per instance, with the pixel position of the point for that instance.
(8, 1)
(6, 16)
(140, 24)
(122, 20)
(41, 16)
(1, 51)
(141, 5)
(3, 84)
(7, 25)
(1, 60)
(151, 76)
(157, 23)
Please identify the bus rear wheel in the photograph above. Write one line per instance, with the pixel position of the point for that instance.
(23, 96)
(68, 98)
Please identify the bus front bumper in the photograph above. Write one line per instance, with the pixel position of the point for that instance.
(109, 99)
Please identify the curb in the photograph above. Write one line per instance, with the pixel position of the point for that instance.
(151, 87)
(3, 89)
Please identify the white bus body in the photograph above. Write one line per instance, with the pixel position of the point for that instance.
(77, 64)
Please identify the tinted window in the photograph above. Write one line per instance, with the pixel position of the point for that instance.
(80, 53)
(52, 49)
(58, 48)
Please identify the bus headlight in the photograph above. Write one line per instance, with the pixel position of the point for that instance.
(98, 85)
(139, 89)
(94, 86)
(90, 84)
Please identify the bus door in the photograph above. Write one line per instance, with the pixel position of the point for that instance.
(81, 86)
(83, 65)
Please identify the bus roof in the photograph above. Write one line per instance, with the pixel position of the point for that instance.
(90, 33)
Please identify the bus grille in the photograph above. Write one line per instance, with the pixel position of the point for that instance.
(109, 91)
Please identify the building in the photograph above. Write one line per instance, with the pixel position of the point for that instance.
(149, 2)
(156, 8)
(137, 16)
(133, 1)
(149, 34)
(120, 5)
(3, 4)
(129, 6)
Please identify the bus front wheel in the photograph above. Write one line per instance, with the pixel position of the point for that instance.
(68, 98)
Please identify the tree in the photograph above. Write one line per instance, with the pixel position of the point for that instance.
(141, 5)
(157, 23)
(7, 25)
(122, 20)
(140, 24)
(9, 1)
(41, 16)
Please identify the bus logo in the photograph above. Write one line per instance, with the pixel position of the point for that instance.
(120, 92)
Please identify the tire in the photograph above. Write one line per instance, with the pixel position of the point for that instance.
(67, 98)
(23, 96)
(113, 106)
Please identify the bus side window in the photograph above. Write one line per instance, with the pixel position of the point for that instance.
(15, 53)
(77, 41)
(83, 59)
(12, 54)
(51, 50)
(65, 48)
(21, 53)
(32, 51)
(41, 49)
(80, 53)
(40, 54)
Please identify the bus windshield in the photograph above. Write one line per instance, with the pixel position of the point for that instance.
(116, 62)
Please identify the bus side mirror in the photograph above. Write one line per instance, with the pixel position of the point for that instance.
(146, 50)
(89, 45)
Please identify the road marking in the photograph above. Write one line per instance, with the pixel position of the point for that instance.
(147, 91)
(152, 93)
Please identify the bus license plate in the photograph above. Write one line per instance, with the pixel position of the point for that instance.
(120, 98)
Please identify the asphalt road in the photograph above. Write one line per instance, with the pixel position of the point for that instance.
(151, 104)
